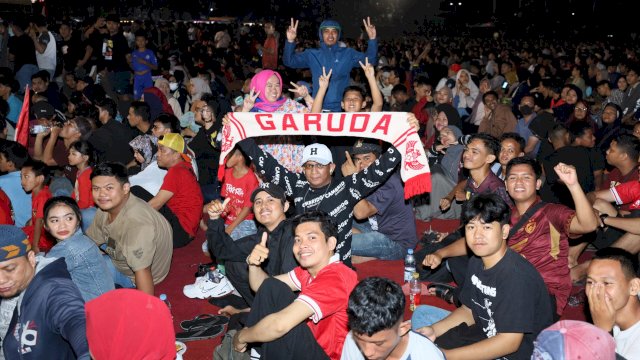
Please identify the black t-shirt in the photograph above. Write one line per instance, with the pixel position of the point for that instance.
(556, 192)
(23, 50)
(111, 142)
(72, 51)
(510, 297)
(115, 49)
(540, 127)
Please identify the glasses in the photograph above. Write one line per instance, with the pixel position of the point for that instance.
(581, 108)
(308, 166)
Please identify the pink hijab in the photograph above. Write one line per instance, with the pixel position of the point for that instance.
(259, 82)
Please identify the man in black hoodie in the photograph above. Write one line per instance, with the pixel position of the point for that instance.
(41, 309)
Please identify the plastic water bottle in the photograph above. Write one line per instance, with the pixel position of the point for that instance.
(414, 291)
(409, 265)
(163, 298)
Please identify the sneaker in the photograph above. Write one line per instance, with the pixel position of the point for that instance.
(213, 284)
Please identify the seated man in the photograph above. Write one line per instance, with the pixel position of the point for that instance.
(313, 324)
(180, 198)
(612, 289)
(42, 309)
(136, 238)
(376, 310)
(387, 227)
(505, 303)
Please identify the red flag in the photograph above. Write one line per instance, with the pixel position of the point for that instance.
(22, 128)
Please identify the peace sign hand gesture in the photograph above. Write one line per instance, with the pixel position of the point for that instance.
(292, 31)
(370, 28)
(369, 70)
(323, 81)
(250, 101)
(299, 90)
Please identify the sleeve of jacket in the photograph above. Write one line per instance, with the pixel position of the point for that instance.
(369, 179)
(371, 53)
(224, 247)
(269, 167)
(505, 120)
(292, 59)
(65, 313)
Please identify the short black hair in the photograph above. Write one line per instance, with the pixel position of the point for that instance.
(557, 131)
(327, 225)
(111, 169)
(85, 148)
(578, 129)
(42, 74)
(513, 136)
(399, 89)
(142, 109)
(525, 160)
(375, 304)
(628, 262)
(421, 80)
(354, 88)
(490, 92)
(108, 105)
(169, 121)
(62, 200)
(491, 143)
(486, 207)
(141, 33)
(629, 145)
(603, 83)
(39, 168)
(16, 153)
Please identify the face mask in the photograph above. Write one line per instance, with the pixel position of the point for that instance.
(173, 86)
(526, 110)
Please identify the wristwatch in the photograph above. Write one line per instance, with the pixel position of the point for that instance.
(602, 217)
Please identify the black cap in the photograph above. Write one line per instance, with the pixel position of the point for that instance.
(113, 17)
(43, 110)
(271, 189)
(365, 146)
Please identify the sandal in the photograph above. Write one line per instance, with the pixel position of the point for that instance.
(200, 333)
(204, 320)
(445, 292)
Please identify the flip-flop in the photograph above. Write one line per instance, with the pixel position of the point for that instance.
(200, 333)
(445, 292)
(205, 320)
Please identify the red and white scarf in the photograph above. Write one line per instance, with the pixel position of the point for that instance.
(391, 127)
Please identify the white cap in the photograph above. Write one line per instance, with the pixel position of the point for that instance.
(317, 152)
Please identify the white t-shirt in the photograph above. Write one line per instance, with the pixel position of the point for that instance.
(150, 178)
(47, 60)
(419, 348)
(628, 341)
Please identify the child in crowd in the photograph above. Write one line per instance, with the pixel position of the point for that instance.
(12, 157)
(34, 180)
(81, 156)
(143, 61)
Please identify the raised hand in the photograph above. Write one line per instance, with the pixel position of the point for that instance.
(369, 28)
(348, 167)
(260, 252)
(250, 101)
(323, 81)
(299, 90)
(413, 121)
(216, 208)
(601, 306)
(369, 70)
(566, 173)
(292, 31)
(432, 260)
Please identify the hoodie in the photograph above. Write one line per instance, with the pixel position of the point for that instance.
(339, 59)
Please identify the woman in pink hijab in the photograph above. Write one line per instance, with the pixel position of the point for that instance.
(266, 96)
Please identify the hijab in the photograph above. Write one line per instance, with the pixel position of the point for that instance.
(157, 102)
(200, 86)
(259, 83)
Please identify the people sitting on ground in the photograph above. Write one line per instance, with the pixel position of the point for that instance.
(34, 177)
(111, 139)
(384, 226)
(13, 156)
(136, 238)
(313, 323)
(511, 146)
(377, 330)
(571, 339)
(83, 258)
(505, 303)
(38, 291)
(612, 289)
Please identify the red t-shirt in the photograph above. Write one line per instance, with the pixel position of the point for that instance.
(82, 191)
(626, 193)
(6, 217)
(616, 178)
(327, 295)
(37, 212)
(544, 242)
(239, 190)
(186, 202)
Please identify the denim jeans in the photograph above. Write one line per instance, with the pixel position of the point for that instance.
(118, 277)
(88, 215)
(427, 315)
(371, 243)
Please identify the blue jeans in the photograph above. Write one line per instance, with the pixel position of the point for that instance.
(245, 228)
(87, 217)
(118, 277)
(427, 315)
(374, 244)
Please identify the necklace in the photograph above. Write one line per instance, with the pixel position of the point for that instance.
(304, 199)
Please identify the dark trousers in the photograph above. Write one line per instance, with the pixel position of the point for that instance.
(180, 236)
(298, 343)
(238, 274)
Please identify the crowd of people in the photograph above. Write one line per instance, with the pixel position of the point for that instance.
(532, 144)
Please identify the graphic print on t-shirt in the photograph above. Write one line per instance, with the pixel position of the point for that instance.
(485, 304)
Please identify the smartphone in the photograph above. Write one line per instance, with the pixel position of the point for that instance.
(505, 85)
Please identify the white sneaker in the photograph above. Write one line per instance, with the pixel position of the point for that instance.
(213, 284)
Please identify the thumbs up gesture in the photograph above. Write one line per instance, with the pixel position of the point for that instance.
(216, 208)
(260, 252)
(348, 167)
